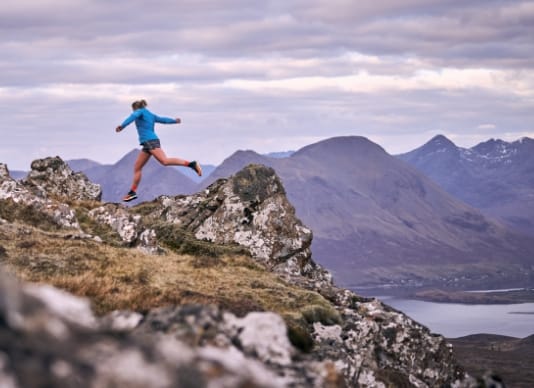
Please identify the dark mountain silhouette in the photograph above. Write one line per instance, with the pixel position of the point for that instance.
(495, 176)
(157, 179)
(377, 220)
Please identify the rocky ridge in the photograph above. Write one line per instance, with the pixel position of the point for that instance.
(494, 176)
(365, 343)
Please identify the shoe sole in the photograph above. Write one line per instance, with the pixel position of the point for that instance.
(129, 199)
(196, 167)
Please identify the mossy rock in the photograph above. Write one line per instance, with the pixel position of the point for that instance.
(327, 315)
(15, 212)
(251, 183)
(299, 335)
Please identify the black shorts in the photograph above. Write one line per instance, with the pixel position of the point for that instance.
(150, 145)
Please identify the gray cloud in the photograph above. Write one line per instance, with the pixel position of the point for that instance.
(237, 70)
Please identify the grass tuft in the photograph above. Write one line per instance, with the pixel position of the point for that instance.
(183, 242)
(12, 211)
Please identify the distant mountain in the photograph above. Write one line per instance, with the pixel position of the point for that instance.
(377, 221)
(82, 164)
(117, 178)
(495, 176)
(18, 174)
(283, 154)
(234, 163)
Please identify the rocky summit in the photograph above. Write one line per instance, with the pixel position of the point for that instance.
(215, 289)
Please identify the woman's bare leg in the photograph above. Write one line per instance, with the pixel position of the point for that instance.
(163, 159)
(142, 158)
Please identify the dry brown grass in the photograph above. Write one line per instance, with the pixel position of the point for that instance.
(115, 277)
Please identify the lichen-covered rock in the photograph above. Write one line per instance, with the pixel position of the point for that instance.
(376, 344)
(56, 178)
(128, 226)
(4, 171)
(148, 242)
(272, 346)
(252, 210)
(60, 213)
(183, 346)
(258, 337)
(50, 339)
(119, 219)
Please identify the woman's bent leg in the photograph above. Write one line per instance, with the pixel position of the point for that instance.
(163, 159)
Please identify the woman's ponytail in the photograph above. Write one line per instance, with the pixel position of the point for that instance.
(139, 104)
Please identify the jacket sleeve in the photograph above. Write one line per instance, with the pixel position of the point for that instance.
(164, 120)
(131, 118)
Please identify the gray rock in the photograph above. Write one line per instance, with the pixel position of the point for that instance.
(272, 346)
(68, 348)
(4, 172)
(260, 338)
(60, 213)
(55, 177)
(249, 209)
(128, 226)
(120, 220)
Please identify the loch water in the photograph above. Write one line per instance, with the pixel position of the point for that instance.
(454, 320)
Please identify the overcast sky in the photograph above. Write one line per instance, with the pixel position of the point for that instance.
(261, 75)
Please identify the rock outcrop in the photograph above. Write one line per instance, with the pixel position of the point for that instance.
(55, 178)
(56, 212)
(249, 209)
(50, 338)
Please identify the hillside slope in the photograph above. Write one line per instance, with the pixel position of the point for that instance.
(235, 250)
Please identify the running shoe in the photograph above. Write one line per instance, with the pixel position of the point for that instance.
(130, 196)
(195, 166)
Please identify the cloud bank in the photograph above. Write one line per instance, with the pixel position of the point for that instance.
(268, 76)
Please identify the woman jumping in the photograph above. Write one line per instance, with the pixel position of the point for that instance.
(144, 121)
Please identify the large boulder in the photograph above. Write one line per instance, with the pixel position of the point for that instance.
(54, 177)
(249, 209)
(18, 195)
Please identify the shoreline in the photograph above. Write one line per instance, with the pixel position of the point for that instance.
(438, 295)
(514, 296)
